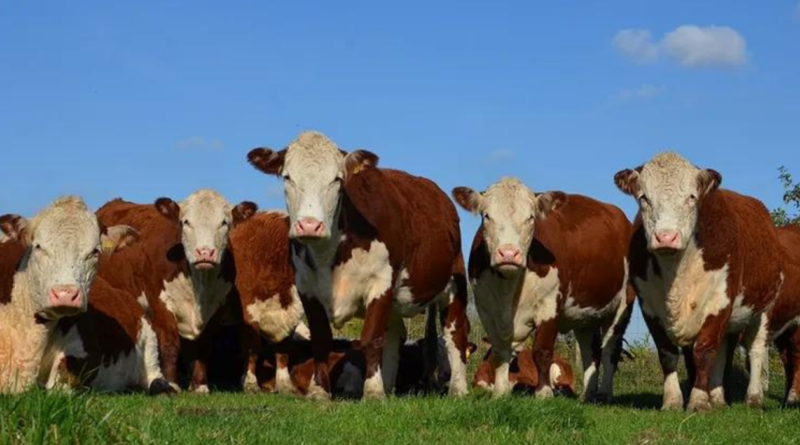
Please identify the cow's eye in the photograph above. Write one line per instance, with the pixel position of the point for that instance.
(532, 217)
(224, 223)
(94, 253)
(186, 223)
(692, 198)
(644, 200)
(486, 217)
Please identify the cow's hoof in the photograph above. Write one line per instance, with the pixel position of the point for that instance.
(250, 384)
(544, 393)
(791, 399)
(202, 390)
(718, 398)
(457, 391)
(603, 399)
(699, 401)
(163, 387)
(317, 394)
(755, 401)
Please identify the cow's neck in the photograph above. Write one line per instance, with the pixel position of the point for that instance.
(323, 253)
(23, 338)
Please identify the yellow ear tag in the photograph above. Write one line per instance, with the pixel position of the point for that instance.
(108, 246)
(357, 169)
(469, 353)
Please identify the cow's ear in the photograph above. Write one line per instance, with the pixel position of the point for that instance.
(243, 211)
(548, 202)
(168, 208)
(628, 181)
(116, 238)
(468, 199)
(707, 181)
(266, 160)
(357, 161)
(14, 227)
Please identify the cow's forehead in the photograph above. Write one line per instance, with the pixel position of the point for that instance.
(313, 154)
(205, 202)
(669, 173)
(508, 191)
(66, 219)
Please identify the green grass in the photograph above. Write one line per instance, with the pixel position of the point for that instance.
(223, 418)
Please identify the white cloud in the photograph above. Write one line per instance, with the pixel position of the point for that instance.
(689, 45)
(693, 46)
(199, 143)
(636, 44)
(644, 92)
(500, 154)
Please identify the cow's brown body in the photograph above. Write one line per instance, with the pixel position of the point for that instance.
(265, 285)
(785, 314)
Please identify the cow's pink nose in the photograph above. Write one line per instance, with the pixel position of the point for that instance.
(668, 240)
(205, 254)
(65, 296)
(509, 255)
(310, 227)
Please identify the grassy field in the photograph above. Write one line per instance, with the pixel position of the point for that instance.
(228, 418)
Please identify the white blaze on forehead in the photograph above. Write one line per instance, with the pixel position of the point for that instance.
(209, 216)
(312, 165)
(510, 206)
(64, 239)
(670, 184)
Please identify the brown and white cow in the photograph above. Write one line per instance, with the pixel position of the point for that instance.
(180, 271)
(369, 242)
(523, 375)
(47, 279)
(784, 317)
(549, 262)
(705, 263)
(265, 283)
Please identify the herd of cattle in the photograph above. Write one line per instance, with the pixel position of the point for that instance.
(119, 298)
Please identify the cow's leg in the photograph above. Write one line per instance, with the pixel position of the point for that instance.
(612, 349)
(250, 337)
(431, 348)
(793, 390)
(500, 328)
(784, 345)
(152, 379)
(199, 383)
(757, 344)
(590, 360)
(706, 349)
(717, 381)
(321, 345)
(456, 333)
(668, 356)
(390, 361)
(169, 343)
(283, 378)
(544, 342)
(373, 338)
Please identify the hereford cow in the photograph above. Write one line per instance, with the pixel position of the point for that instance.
(49, 282)
(180, 271)
(369, 242)
(784, 317)
(706, 265)
(265, 284)
(523, 375)
(549, 263)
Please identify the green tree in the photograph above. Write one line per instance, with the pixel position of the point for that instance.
(791, 199)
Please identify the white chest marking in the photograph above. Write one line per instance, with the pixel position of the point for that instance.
(194, 301)
(517, 308)
(685, 295)
(350, 287)
(275, 321)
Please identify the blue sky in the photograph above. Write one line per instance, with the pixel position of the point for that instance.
(146, 99)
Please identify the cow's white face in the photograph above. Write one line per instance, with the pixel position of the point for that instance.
(205, 218)
(509, 210)
(313, 169)
(669, 190)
